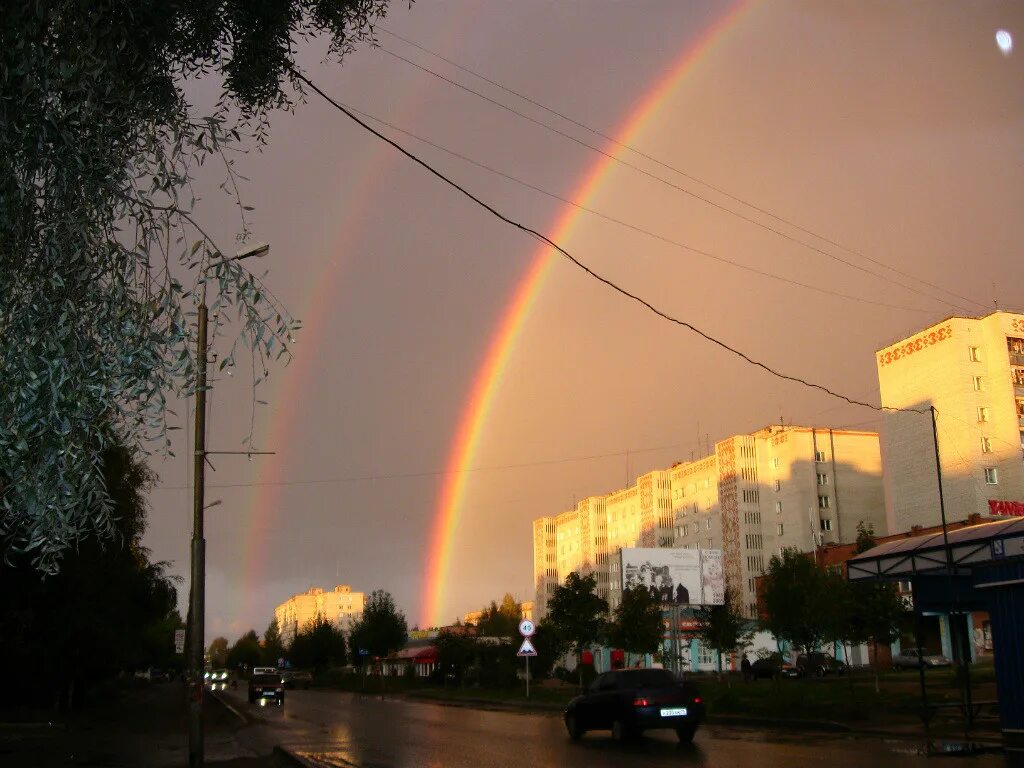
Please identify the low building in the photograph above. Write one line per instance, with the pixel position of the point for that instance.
(341, 606)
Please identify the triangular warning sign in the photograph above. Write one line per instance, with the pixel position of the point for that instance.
(527, 649)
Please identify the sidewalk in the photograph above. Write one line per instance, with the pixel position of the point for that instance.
(145, 726)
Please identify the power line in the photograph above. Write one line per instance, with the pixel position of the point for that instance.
(432, 473)
(684, 190)
(628, 225)
(615, 287)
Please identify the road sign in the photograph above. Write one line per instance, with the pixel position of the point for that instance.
(527, 649)
(179, 641)
(526, 628)
(363, 652)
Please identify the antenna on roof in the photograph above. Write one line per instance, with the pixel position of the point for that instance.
(995, 299)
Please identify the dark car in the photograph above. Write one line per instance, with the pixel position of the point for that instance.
(773, 667)
(819, 665)
(294, 678)
(631, 701)
(265, 688)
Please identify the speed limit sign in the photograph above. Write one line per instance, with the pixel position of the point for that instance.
(526, 628)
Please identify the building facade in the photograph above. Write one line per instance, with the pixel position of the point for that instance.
(341, 606)
(972, 371)
(776, 488)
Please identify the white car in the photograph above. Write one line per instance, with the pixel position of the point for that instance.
(910, 659)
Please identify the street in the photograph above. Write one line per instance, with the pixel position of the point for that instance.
(332, 728)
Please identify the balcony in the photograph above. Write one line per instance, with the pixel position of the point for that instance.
(1017, 358)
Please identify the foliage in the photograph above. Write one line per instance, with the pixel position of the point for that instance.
(456, 652)
(501, 621)
(245, 653)
(865, 537)
(218, 653)
(800, 600)
(318, 645)
(382, 627)
(637, 626)
(549, 646)
(102, 254)
(272, 648)
(110, 609)
(577, 614)
(723, 627)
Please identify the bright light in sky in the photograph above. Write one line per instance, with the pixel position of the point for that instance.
(1005, 41)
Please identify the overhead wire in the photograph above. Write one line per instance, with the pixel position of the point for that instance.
(628, 225)
(640, 153)
(643, 171)
(579, 264)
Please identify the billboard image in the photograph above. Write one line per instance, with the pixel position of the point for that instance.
(676, 576)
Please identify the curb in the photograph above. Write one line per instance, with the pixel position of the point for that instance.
(822, 726)
(32, 726)
(289, 758)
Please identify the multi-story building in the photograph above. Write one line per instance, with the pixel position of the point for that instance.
(971, 370)
(341, 606)
(779, 487)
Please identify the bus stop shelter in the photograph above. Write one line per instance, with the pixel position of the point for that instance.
(975, 568)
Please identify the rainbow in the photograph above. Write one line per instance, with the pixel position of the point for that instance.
(488, 378)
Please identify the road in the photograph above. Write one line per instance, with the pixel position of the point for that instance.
(332, 728)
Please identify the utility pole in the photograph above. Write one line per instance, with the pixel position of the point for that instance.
(197, 593)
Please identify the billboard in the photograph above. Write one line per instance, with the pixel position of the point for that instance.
(676, 576)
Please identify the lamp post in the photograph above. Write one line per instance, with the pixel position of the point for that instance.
(197, 596)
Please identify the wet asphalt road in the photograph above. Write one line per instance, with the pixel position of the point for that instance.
(338, 729)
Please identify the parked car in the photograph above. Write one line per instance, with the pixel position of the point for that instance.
(265, 687)
(819, 665)
(631, 701)
(911, 659)
(772, 667)
(294, 678)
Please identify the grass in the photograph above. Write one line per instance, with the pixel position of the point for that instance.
(851, 700)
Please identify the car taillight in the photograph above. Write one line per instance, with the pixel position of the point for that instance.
(641, 702)
(696, 699)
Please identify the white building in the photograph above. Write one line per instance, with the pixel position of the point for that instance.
(778, 487)
(341, 606)
(972, 371)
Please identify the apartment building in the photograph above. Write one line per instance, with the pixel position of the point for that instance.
(971, 369)
(340, 605)
(782, 486)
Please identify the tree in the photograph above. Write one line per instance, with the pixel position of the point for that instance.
(382, 627)
(245, 653)
(723, 627)
(875, 615)
(110, 608)
(320, 644)
(273, 647)
(865, 537)
(455, 654)
(102, 250)
(799, 600)
(637, 626)
(577, 614)
(549, 646)
(218, 652)
(501, 621)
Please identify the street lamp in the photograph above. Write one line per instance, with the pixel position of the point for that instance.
(197, 597)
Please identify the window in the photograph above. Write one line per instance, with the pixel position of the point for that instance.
(710, 543)
(982, 413)
(778, 507)
(707, 524)
(819, 455)
(780, 529)
(826, 524)
(974, 354)
(686, 530)
(991, 476)
(778, 485)
(824, 502)
(986, 445)
(822, 478)
(978, 384)
(775, 463)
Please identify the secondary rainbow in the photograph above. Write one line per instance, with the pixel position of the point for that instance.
(487, 381)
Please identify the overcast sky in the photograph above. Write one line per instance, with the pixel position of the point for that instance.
(896, 130)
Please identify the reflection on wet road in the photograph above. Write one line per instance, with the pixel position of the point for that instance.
(338, 729)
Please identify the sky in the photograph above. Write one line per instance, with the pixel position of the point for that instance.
(895, 132)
